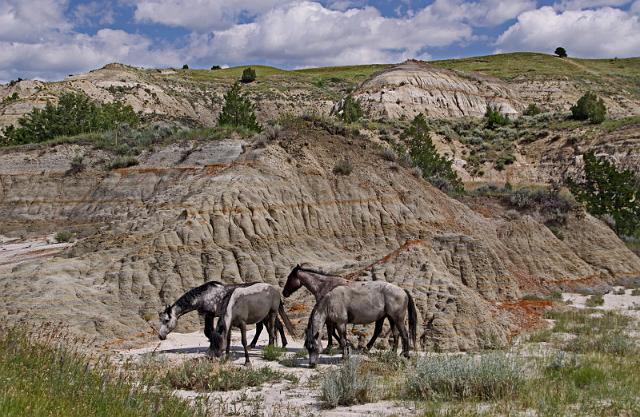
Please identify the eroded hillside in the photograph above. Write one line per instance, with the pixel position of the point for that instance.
(248, 209)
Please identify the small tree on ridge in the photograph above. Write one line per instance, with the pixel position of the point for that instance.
(238, 110)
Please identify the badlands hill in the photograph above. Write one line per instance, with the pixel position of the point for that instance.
(199, 207)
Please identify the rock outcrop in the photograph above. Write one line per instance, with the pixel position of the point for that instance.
(198, 211)
(414, 87)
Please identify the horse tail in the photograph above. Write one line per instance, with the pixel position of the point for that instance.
(413, 320)
(285, 319)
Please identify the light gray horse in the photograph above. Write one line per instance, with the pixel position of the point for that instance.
(205, 299)
(362, 303)
(248, 305)
(319, 284)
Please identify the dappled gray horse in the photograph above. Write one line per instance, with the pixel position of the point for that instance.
(248, 305)
(204, 299)
(319, 284)
(362, 303)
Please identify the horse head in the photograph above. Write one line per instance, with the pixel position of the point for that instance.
(312, 344)
(168, 321)
(293, 282)
(218, 341)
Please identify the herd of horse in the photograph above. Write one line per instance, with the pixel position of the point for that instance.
(338, 302)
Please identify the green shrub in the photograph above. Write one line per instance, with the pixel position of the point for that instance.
(351, 110)
(485, 377)
(347, 385)
(185, 67)
(123, 162)
(215, 67)
(532, 110)
(493, 118)
(74, 114)
(435, 168)
(590, 107)
(238, 111)
(77, 165)
(248, 75)
(343, 167)
(608, 191)
(207, 375)
(595, 300)
(64, 236)
(272, 352)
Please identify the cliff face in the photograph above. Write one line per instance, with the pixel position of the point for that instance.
(417, 87)
(233, 211)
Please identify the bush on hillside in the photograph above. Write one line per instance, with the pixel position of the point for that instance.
(351, 110)
(437, 169)
(590, 107)
(493, 118)
(248, 75)
(238, 110)
(215, 67)
(75, 113)
(532, 110)
(185, 67)
(608, 191)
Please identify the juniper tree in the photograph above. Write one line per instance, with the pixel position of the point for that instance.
(238, 110)
(437, 169)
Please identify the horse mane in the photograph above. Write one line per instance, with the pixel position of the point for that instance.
(185, 300)
(313, 271)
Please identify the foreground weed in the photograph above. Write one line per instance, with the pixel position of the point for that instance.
(272, 352)
(44, 374)
(485, 377)
(206, 375)
(347, 385)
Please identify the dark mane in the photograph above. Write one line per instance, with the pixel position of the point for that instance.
(187, 298)
(314, 271)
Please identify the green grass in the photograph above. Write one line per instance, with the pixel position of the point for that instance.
(611, 125)
(207, 375)
(272, 352)
(44, 375)
(594, 301)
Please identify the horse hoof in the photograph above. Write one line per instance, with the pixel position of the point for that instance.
(247, 364)
(252, 346)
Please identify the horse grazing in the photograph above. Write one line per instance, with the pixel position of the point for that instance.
(205, 299)
(319, 284)
(362, 303)
(248, 305)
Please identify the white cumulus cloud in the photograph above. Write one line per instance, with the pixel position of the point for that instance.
(600, 33)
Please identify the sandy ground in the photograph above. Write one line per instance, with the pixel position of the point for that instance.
(279, 399)
(16, 251)
(624, 303)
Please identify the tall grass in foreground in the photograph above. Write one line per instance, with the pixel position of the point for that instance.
(44, 374)
(484, 377)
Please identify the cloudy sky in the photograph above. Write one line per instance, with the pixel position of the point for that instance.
(48, 39)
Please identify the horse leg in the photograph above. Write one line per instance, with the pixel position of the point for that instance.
(280, 329)
(342, 333)
(394, 332)
(405, 337)
(330, 332)
(243, 335)
(376, 333)
(228, 342)
(271, 326)
(259, 327)
(208, 325)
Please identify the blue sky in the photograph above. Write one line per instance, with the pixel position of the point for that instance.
(49, 39)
